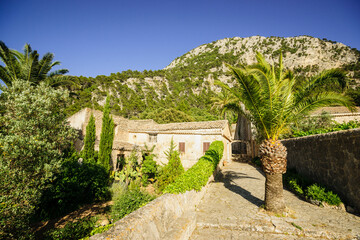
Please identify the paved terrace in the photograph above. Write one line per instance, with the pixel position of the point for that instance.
(231, 209)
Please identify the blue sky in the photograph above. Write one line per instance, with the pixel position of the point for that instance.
(101, 37)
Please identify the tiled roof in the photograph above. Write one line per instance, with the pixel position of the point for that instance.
(334, 110)
(123, 146)
(136, 127)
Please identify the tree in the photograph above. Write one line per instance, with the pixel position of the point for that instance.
(33, 136)
(89, 146)
(220, 102)
(274, 100)
(172, 170)
(27, 66)
(106, 137)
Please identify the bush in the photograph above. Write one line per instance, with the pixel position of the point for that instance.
(308, 190)
(316, 192)
(129, 202)
(74, 185)
(333, 128)
(171, 171)
(148, 169)
(72, 230)
(117, 189)
(33, 134)
(198, 175)
(17, 203)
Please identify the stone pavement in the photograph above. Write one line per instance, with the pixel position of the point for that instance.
(231, 209)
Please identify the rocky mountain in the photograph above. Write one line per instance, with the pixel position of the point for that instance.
(186, 84)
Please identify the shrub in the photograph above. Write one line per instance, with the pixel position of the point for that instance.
(198, 175)
(117, 189)
(333, 128)
(304, 188)
(172, 170)
(148, 169)
(74, 185)
(319, 193)
(33, 134)
(72, 230)
(129, 202)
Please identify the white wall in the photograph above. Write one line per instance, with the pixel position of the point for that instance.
(193, 145)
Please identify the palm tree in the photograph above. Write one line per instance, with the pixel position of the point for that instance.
(274, 100)
(221, 102)
(27, 66)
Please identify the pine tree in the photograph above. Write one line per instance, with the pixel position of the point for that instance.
(106, 137)
(89, 148)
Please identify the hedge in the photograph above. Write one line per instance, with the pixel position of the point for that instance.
(198, 175)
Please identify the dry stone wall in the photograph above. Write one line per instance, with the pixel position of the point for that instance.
(331, 159)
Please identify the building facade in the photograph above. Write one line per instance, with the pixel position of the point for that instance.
(192, 139)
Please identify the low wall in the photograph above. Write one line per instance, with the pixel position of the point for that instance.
(331, 159)
(171, 216)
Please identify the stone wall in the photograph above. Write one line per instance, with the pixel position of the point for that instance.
(331, 159)
(169, 217)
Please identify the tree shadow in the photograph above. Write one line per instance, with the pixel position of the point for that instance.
(228, 179)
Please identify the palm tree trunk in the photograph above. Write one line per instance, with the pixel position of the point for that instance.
(273, 157)
(274, 198)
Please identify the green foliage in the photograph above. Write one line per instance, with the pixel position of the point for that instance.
(148, 169)
(333, 128)
(131, 171)
(319, 193)
(18, 198)
(274, 99)
(129, 202)
(27, 66)
(167, 116)
(75, 184)
(72, 230)
(33, 134)
(355, 94)
(106, 137)
(170, 172)
(117, 189)
(89, 142)
(198, 175)
(256, 161)
(305, 188)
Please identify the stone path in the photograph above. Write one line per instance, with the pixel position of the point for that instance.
(231, 209)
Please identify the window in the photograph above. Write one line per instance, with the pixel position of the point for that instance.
(206, 146)
(153, 138)
(181, 147)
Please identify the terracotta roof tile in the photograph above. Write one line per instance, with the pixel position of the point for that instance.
(334, 110)
(135, 127)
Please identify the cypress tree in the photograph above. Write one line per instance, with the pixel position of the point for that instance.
(106, 137)
(89, 147)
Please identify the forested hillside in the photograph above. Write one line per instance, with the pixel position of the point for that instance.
(184, 90)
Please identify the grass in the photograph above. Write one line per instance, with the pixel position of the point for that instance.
(297, 226)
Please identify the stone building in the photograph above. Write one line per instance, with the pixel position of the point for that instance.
(191, 138)
(339, 114)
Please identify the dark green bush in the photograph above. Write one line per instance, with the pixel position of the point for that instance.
(72, 230)
(319, 193)
(256, 161)
(198, 175)
(335, 127)
(148, 169)
(75, 184)
(18, 196)
(170, 172)
(308, 190)
(129, 202)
